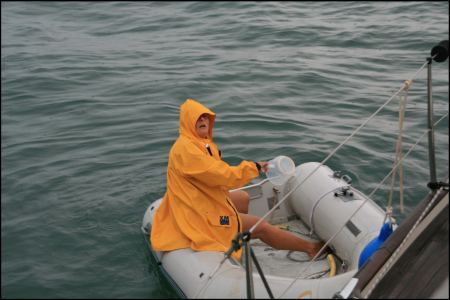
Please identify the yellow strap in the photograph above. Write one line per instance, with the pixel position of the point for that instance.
(332, 264)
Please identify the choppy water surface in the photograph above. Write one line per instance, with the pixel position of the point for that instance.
(89, 111)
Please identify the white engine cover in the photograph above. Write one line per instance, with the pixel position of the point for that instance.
(315, 202)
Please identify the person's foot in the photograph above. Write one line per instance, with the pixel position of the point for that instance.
(314, 249)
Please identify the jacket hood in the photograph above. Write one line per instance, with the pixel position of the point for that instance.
(190, 111)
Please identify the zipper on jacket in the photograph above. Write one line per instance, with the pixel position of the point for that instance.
(209, 149)
(237, 215)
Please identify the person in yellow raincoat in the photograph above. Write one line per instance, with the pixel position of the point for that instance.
(198, 211)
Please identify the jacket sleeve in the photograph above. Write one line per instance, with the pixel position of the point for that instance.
(192, 162)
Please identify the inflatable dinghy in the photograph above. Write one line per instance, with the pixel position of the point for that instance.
(324, 207)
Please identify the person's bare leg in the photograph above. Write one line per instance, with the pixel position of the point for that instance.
(241, 200)
(278, 238)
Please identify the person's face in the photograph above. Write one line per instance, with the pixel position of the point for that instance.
(202, 126)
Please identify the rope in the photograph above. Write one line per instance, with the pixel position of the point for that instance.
(388, 215)
(311, 215)
(398, 148)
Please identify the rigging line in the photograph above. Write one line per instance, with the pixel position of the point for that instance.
(398, 151)
(362, 204)
(402, 158)
(404, 86)
(396, 165)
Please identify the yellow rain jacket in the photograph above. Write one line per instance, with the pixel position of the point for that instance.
(196, 211)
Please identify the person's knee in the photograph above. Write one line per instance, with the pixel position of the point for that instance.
(245, 201)
(241, 200)
(243, 195)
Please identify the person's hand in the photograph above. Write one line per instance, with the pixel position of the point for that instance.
(264, 166)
